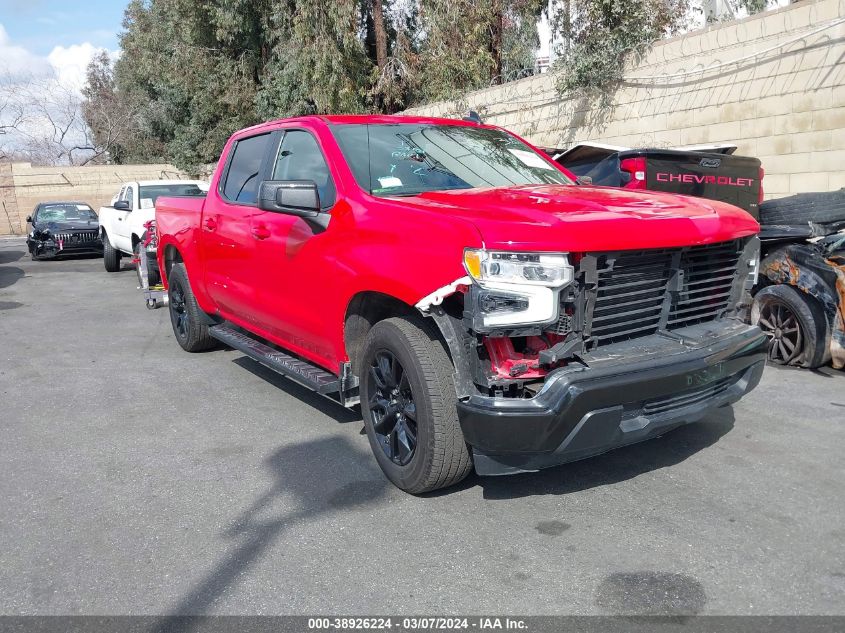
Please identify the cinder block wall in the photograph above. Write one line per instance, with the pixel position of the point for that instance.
(772, 84)
(23, 185)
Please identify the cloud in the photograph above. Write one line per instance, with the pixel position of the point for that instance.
(17, 61)
(66, 63)
(70, 63)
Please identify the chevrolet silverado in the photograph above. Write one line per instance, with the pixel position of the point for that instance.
(485, 311)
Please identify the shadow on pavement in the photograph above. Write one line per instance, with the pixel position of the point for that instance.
(310, 488)
(7, 257)
(9, 275)
(614, 466)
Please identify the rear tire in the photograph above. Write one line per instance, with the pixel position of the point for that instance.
(795, 324)
(111, 256)
(186, 317)
(408, 401)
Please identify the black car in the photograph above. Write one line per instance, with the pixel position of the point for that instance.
(63, 228)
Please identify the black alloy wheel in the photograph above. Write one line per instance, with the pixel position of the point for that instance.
(391, 408)
(780, 324)
(179, 316)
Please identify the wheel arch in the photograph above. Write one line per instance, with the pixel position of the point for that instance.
(171, 256)
(363, 311)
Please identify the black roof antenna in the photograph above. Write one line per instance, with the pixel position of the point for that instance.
(473, 116)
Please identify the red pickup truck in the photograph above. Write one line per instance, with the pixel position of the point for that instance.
(484, 310)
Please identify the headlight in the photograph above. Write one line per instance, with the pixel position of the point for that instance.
(552, 270)
(515, 289)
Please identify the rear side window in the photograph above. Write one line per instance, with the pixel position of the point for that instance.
(300, 158)
(241, 183)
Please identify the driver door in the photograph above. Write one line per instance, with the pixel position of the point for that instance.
(122, 230)
(292, 256)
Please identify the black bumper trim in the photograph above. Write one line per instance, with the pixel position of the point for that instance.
(586, 411)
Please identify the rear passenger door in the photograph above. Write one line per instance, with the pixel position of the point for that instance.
(227, 242)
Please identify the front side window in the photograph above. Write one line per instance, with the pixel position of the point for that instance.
(241, 183)
(300, 158)
(128, 196)
(409, 159)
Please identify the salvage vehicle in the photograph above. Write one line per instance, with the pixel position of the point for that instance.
(704, 171)
(122, 224)
(63, 228)
(484, 310)
(800, 300)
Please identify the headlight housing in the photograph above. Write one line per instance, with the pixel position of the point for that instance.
(552, 270)
(516, 288)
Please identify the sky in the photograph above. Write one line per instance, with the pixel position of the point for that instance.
(37, 36)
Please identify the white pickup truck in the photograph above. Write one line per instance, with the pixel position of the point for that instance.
(122, 225)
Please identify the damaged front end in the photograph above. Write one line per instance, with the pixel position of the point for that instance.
(47, 243)
(816, 268)
(639, 340)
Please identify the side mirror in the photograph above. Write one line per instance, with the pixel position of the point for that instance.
(295, 197)
(123, 205)
(29, 219)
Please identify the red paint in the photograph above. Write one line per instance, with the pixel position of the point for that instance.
(272, 274)
(507, 363)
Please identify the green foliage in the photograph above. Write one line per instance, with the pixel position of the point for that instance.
(192, 72)
(602, 35)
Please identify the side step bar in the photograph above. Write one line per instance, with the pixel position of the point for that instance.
(301, 371)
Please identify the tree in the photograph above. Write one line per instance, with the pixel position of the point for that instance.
(109, 117)
(41, 121)
(601, 35)
(318, 62)
(466, 43)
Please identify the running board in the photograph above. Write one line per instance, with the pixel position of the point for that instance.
(300, 371)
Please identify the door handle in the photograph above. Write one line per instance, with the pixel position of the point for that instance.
(210, 224)
(260, 232)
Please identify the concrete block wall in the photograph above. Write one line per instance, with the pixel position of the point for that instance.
(772, 84)
(23, 185)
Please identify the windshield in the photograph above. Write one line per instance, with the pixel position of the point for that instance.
(408, 159)
(65, 213)
(148, 194)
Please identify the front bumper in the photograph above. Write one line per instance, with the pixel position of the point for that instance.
(627, 393)
(50, 248)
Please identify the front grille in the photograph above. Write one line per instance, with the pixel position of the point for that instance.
(76, 237)
(709, 273)
(630, 297)
(641, 292)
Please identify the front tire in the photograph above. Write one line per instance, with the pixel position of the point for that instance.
(111, 256)
(186, 317)
(795, 324)
(408, 401)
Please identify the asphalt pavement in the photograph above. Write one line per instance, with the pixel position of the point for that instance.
(138, 479)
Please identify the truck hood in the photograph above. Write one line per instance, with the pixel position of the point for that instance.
(580, 218)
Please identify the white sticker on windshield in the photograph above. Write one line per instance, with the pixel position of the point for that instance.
(83, 207)
(389, 181)
(147, 203)
(530, 159)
